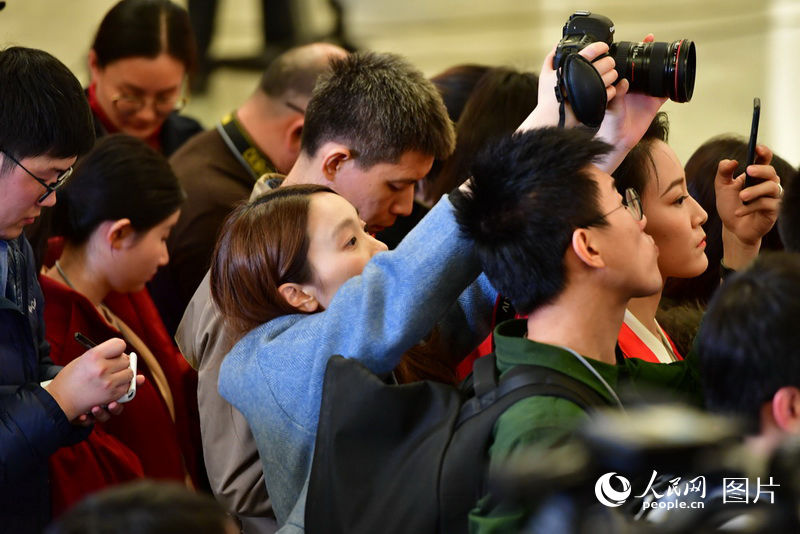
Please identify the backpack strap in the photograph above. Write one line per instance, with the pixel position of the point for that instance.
(524, 381)
(551, 383)
(484, 375)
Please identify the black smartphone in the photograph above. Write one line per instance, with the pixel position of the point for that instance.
(751, 147)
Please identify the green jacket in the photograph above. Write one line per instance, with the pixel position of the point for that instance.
(545, 422)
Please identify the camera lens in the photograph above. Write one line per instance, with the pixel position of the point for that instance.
(657, 69)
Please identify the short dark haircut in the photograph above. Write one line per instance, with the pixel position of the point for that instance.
(530, 191)
(638, 166)
(120, 178)
(381, 107)
(144, 507)
(747, 344)
(295, 71)
(44, 110)
(145, 28)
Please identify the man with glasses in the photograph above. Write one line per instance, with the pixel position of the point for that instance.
(44, 125)
(50, 187)
(556, 238)
(218, 168)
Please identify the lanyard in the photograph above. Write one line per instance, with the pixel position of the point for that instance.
(243, 147)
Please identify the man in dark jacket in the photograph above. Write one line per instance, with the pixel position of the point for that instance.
(44, 124)
(218, 168)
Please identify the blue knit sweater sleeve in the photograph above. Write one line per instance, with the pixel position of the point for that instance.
(274, 374)
(374, 317)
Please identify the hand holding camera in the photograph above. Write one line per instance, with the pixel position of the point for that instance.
(547, 110)
(657, 69)
(626, 120)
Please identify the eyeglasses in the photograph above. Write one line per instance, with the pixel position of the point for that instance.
(295, 107)
(632, 203)
(131, 104)
(61, 179)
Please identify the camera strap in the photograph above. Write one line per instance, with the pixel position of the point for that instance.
(243, 148)
(579, 83)
(559, 89)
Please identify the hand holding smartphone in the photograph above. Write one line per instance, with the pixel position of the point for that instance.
(751, 146)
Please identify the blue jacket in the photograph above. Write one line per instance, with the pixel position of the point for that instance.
(274, 374)
(32, 425)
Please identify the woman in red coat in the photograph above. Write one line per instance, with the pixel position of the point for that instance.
(115, 215)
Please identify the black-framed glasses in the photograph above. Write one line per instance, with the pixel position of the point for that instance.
(61, 179)
(632, 203)
(132, 104)
(295, 107)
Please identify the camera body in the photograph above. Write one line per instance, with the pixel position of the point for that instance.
(582, 29)
(658, 68)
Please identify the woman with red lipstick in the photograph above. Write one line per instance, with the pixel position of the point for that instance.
(139, 61)
(114, 217)
(674, 221)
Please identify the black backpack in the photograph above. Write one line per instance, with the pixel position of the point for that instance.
(413, 457)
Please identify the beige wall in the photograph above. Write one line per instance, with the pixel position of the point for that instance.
(745, 48)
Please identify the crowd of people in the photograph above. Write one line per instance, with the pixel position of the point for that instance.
(351, 206)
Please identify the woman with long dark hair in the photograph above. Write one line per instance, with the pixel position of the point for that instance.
(675, 221)
(112, 220)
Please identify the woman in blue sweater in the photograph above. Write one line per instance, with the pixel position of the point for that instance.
(297, 272)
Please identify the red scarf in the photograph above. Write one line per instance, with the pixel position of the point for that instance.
(633, 347)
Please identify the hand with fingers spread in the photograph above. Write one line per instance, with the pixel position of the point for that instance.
(743, 225)
(546, 112)
(98, 377)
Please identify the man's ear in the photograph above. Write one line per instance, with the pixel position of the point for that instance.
(584, 245)
(118, 234)
(298, 298)
(94, 66)
(786, 409)
(291, 139)
(335, 156)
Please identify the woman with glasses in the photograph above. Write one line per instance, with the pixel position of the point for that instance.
(674, 220)
(139, 61)
(113, 218)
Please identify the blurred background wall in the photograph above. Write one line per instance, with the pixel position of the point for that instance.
(744, 48)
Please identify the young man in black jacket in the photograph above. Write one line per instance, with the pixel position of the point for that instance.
(45, 124)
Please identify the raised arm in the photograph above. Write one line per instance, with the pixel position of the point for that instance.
(627, 118)
(393, 304)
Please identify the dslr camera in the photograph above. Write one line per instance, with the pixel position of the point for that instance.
(657, 69)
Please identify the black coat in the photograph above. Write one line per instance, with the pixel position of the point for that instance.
(32, 426)
(177, 129)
